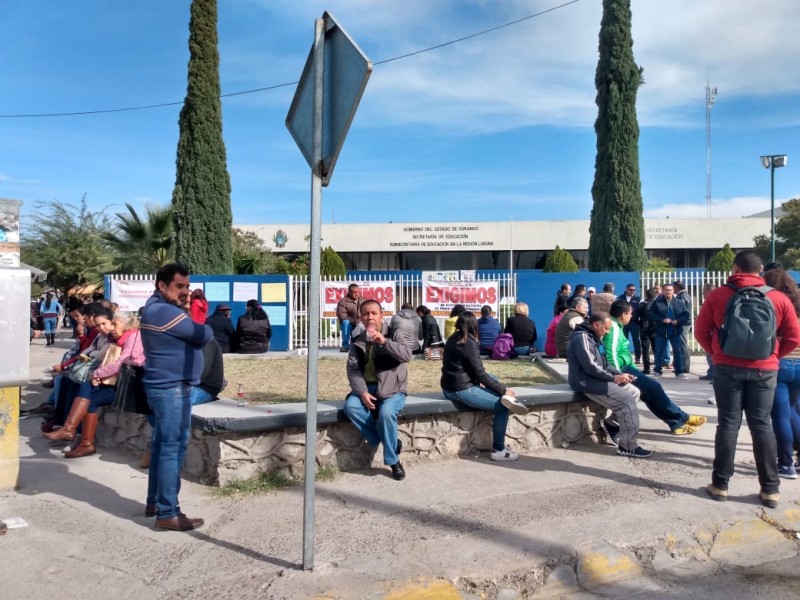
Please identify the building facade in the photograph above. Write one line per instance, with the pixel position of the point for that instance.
(687, 243)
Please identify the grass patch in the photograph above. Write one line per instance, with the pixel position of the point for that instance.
(284, 380)
(326, 473)
(266, 482)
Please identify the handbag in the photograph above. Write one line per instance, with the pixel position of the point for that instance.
(130, 395)
(112, 355)
(81, 371)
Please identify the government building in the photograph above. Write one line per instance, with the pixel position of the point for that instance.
(686, 243)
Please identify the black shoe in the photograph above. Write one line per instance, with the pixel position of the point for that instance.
(398, 472)
(49, 384)
(706, 378)
(344, 349)
(611, 431)
(646, 371)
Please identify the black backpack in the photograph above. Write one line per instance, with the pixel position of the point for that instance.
(749, 326)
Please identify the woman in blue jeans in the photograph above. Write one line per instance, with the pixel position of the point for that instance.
(786, 406)
(465, 381)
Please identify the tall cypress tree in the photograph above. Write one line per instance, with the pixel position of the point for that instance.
(616, 232)
(202, 195)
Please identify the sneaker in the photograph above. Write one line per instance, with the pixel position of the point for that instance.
(646, 371)
(685, 429)
(712, 400)
(513, 404)
(656, 373)
(716, 493)
(504, 455)
(638, 452)
(769, 500)
(706, 378)
(787, 472)
(696, 420)
(611, 431)
(344, 349)
(682, 376)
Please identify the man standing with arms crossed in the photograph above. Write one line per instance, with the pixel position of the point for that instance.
(745, 384)
(173, 347)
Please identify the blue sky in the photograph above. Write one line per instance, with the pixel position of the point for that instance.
(493, 128)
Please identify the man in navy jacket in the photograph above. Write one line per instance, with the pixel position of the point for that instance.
(173, 348)
(669, 314)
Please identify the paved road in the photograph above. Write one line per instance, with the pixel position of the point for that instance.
(576, 522)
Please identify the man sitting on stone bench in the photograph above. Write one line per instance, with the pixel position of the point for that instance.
(378, 376)
(591, 375)
(618, 354)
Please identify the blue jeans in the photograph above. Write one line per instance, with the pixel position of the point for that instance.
(786, 410)
(662, 355)
(484, 399)
(347, 330)
(379, 425)
(522, 351)
(172, 411)
(50, 325)
(750, 391)
(656, 399)
(200, 396)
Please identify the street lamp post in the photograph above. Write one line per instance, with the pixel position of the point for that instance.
(772, 162)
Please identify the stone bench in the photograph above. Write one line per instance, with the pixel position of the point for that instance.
(232, 442)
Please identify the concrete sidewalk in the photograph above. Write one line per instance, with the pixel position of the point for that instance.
(577, 522)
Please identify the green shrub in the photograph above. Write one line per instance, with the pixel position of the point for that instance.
(560, 261)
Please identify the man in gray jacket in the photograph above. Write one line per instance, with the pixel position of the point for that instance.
(378, 376)
(407, 322)
(591, 375)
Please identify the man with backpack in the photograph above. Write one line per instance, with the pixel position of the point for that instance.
(746, 327)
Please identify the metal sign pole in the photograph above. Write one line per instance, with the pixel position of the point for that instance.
(313, 302)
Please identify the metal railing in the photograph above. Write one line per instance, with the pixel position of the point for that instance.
(694, 281)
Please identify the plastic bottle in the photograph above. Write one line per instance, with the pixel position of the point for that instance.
(240, 396)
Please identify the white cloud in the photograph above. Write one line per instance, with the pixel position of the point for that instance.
(731, 208)
(6, 179)
(541, 71)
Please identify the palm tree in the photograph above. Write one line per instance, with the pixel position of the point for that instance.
(142, 245)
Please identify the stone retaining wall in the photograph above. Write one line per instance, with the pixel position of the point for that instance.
(219, 458)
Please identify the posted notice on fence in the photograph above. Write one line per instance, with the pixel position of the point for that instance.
(130, 295)
(440, 296)
(383, 292)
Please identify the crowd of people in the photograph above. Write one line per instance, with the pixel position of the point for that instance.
(748, 328)
(604, 337)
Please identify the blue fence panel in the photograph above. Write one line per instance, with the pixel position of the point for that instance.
(538, 290)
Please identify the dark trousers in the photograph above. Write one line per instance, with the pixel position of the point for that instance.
(656, 399)
(631, 330)
(686, 354)
(648, 344)
(664, 342)
(750, 391)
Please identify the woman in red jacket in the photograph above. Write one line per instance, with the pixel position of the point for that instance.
(199, 306)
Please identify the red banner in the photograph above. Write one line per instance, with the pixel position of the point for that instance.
(440, 297)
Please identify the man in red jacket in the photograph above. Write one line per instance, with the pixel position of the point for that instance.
(743, 384)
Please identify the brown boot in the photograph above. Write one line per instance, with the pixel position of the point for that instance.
(86, 447)
(76, 414)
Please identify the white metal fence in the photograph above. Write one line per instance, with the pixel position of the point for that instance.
(694, 282)
(408, 289)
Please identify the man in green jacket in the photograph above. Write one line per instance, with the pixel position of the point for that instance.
(653, 395)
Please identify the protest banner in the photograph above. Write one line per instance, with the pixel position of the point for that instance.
(440, 297)
(383, 292)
